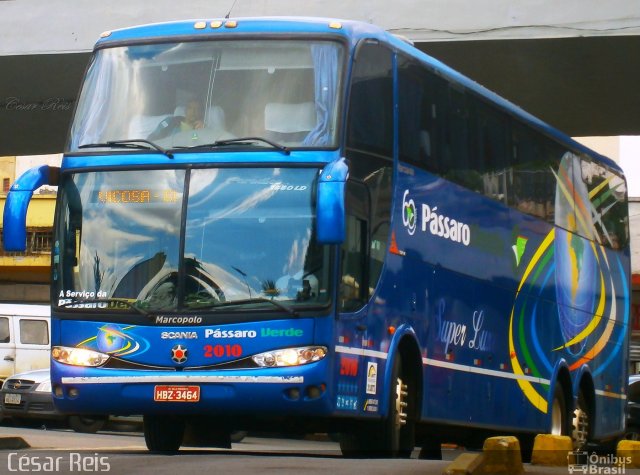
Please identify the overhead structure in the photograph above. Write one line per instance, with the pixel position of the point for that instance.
(570, 63)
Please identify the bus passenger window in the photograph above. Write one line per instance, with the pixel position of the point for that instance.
(534, 161)
(370, 121)
(418, 127)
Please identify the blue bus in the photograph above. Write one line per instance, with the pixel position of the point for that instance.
(308, 224)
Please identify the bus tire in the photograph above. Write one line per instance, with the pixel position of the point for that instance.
(163, 433)
(398, 432)
(559, 413)
(394, 436)
(87, 424)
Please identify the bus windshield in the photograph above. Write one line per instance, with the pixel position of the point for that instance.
(246, 240)
(194, 93)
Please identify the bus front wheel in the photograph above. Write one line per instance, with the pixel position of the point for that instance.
(394, 436)
(399, 426)
(163, 433)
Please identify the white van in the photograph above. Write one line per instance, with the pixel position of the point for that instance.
(25, 335)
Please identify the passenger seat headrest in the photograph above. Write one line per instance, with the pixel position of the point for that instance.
(290, 118)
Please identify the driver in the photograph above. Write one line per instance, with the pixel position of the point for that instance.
(193, 119)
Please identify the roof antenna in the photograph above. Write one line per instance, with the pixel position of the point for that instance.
(229, 12)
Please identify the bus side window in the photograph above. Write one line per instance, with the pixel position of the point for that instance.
(456, 146)
(420, 95)
(370, 121)
(492, 151)
(534, 160)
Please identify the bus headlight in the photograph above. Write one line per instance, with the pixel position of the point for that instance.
(290, 356)
(78, 356)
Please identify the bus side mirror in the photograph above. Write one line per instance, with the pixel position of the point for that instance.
(14, 226)
(330, 209)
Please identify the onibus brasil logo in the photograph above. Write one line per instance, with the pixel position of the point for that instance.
(437, 223)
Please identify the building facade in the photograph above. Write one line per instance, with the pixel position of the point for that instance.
(25, 276)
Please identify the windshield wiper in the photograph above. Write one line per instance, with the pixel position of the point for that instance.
(91, 301)
(130, 143)
(243, 141)
(275, 303)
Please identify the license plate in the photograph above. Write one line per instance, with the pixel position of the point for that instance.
(176, 393)
(12, 398)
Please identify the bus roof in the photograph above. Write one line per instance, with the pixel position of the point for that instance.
(242, 26)
(350, 30)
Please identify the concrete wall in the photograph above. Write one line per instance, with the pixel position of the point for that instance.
(61, 26)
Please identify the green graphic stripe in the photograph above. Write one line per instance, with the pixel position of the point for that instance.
(523, 345)
(543, 264)
(521, 331)
(597, 202)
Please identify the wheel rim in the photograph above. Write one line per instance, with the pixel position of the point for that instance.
(580, 427)
(401, 403)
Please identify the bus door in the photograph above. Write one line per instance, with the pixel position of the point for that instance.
(352, 299)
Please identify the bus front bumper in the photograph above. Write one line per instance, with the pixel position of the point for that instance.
(274, 391)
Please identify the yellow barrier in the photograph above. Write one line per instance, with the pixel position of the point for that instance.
(500, 456)
(628, 452)
(551, 450)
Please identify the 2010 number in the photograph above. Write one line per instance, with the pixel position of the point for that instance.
(219, 351)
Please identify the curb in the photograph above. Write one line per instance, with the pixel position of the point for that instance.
(13, 443)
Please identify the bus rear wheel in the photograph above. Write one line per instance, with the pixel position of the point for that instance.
(163, 433)
(559, 413)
